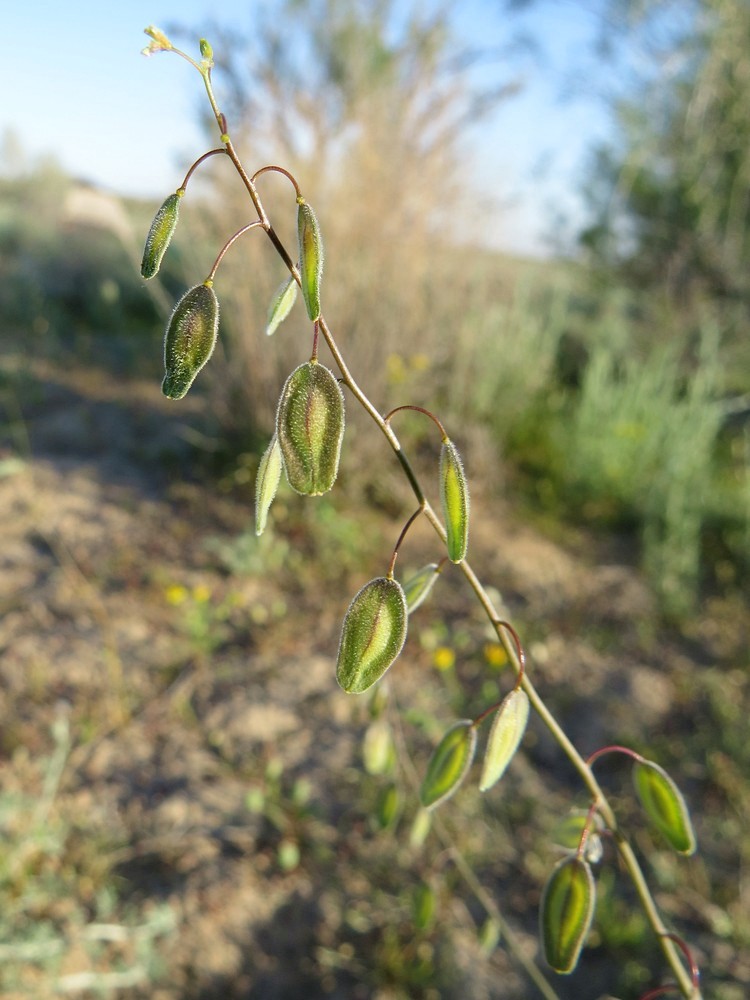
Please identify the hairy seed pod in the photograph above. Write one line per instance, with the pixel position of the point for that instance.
(417, 588)
(373, 634)
(310, 428)
(190, 339)
(664, 805)
(566, 912)
(267, 482)
(454, 496)
(281, 305)
(508, 728)
(160, 234)
(310, 257)
(449, 763)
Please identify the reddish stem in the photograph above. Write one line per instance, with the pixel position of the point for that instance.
(419, 409)
(586, 831)
(189, 174)
(614, 749)
(401, 537)
(229, 242)
(278, 170)
(521, 668)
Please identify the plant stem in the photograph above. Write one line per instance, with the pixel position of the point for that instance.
(687, 986)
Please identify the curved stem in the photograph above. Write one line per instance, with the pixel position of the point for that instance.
(279, 170)
(189, 174)
(401, 537)
(419, 409)
(228, 244)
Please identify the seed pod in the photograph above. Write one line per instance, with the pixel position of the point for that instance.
(267, 482)
(310, 257)
(310, 428)
(281, 305)
(190, 339)
(387, 806)
(664, 805)
(566, 912)
(160, 234)
(507, 732)
(417, 588)
(373, 634)
(449, 764)
(423, 906)
(454, 495)
(378, 753)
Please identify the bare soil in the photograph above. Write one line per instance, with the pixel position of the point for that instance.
(187, 684)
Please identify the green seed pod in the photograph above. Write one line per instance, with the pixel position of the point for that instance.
(267, 482)
(454, 496)
(310, 428)
(664, 805)
(378, 752)
(281, 305)
(310, 257)
(160, 234)
(387, 807)
(507, 732)
(417, 588)
(566, 912)
(449, 764)
(190, 339)
(373, 634)
(423, 906)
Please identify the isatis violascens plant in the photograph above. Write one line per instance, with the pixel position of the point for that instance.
(306, 444)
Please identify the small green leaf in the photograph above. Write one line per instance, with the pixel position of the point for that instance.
(664, 805)
(190, 339)
(281, 305)
(569, 831)
(507, 731)
(454, 496)
(267, 482)
(160, 234)
(310, 428)
(310, 257)
(449, 764)
(417, 588)
(567, 909)
(373, 634)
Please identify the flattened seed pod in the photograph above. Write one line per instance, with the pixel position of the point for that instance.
(449, 763)
(566, 912)
(508, 728)
(664, 805)
(454, 496)
(310, 257)
(266, 483)
(160, 234)
(281, 305)
(310, 428)
(373, 634)
(417, 588)
(190, 339)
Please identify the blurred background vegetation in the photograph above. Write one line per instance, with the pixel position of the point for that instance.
(604, 394)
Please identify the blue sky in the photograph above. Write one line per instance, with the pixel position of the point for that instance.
(76, 87)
